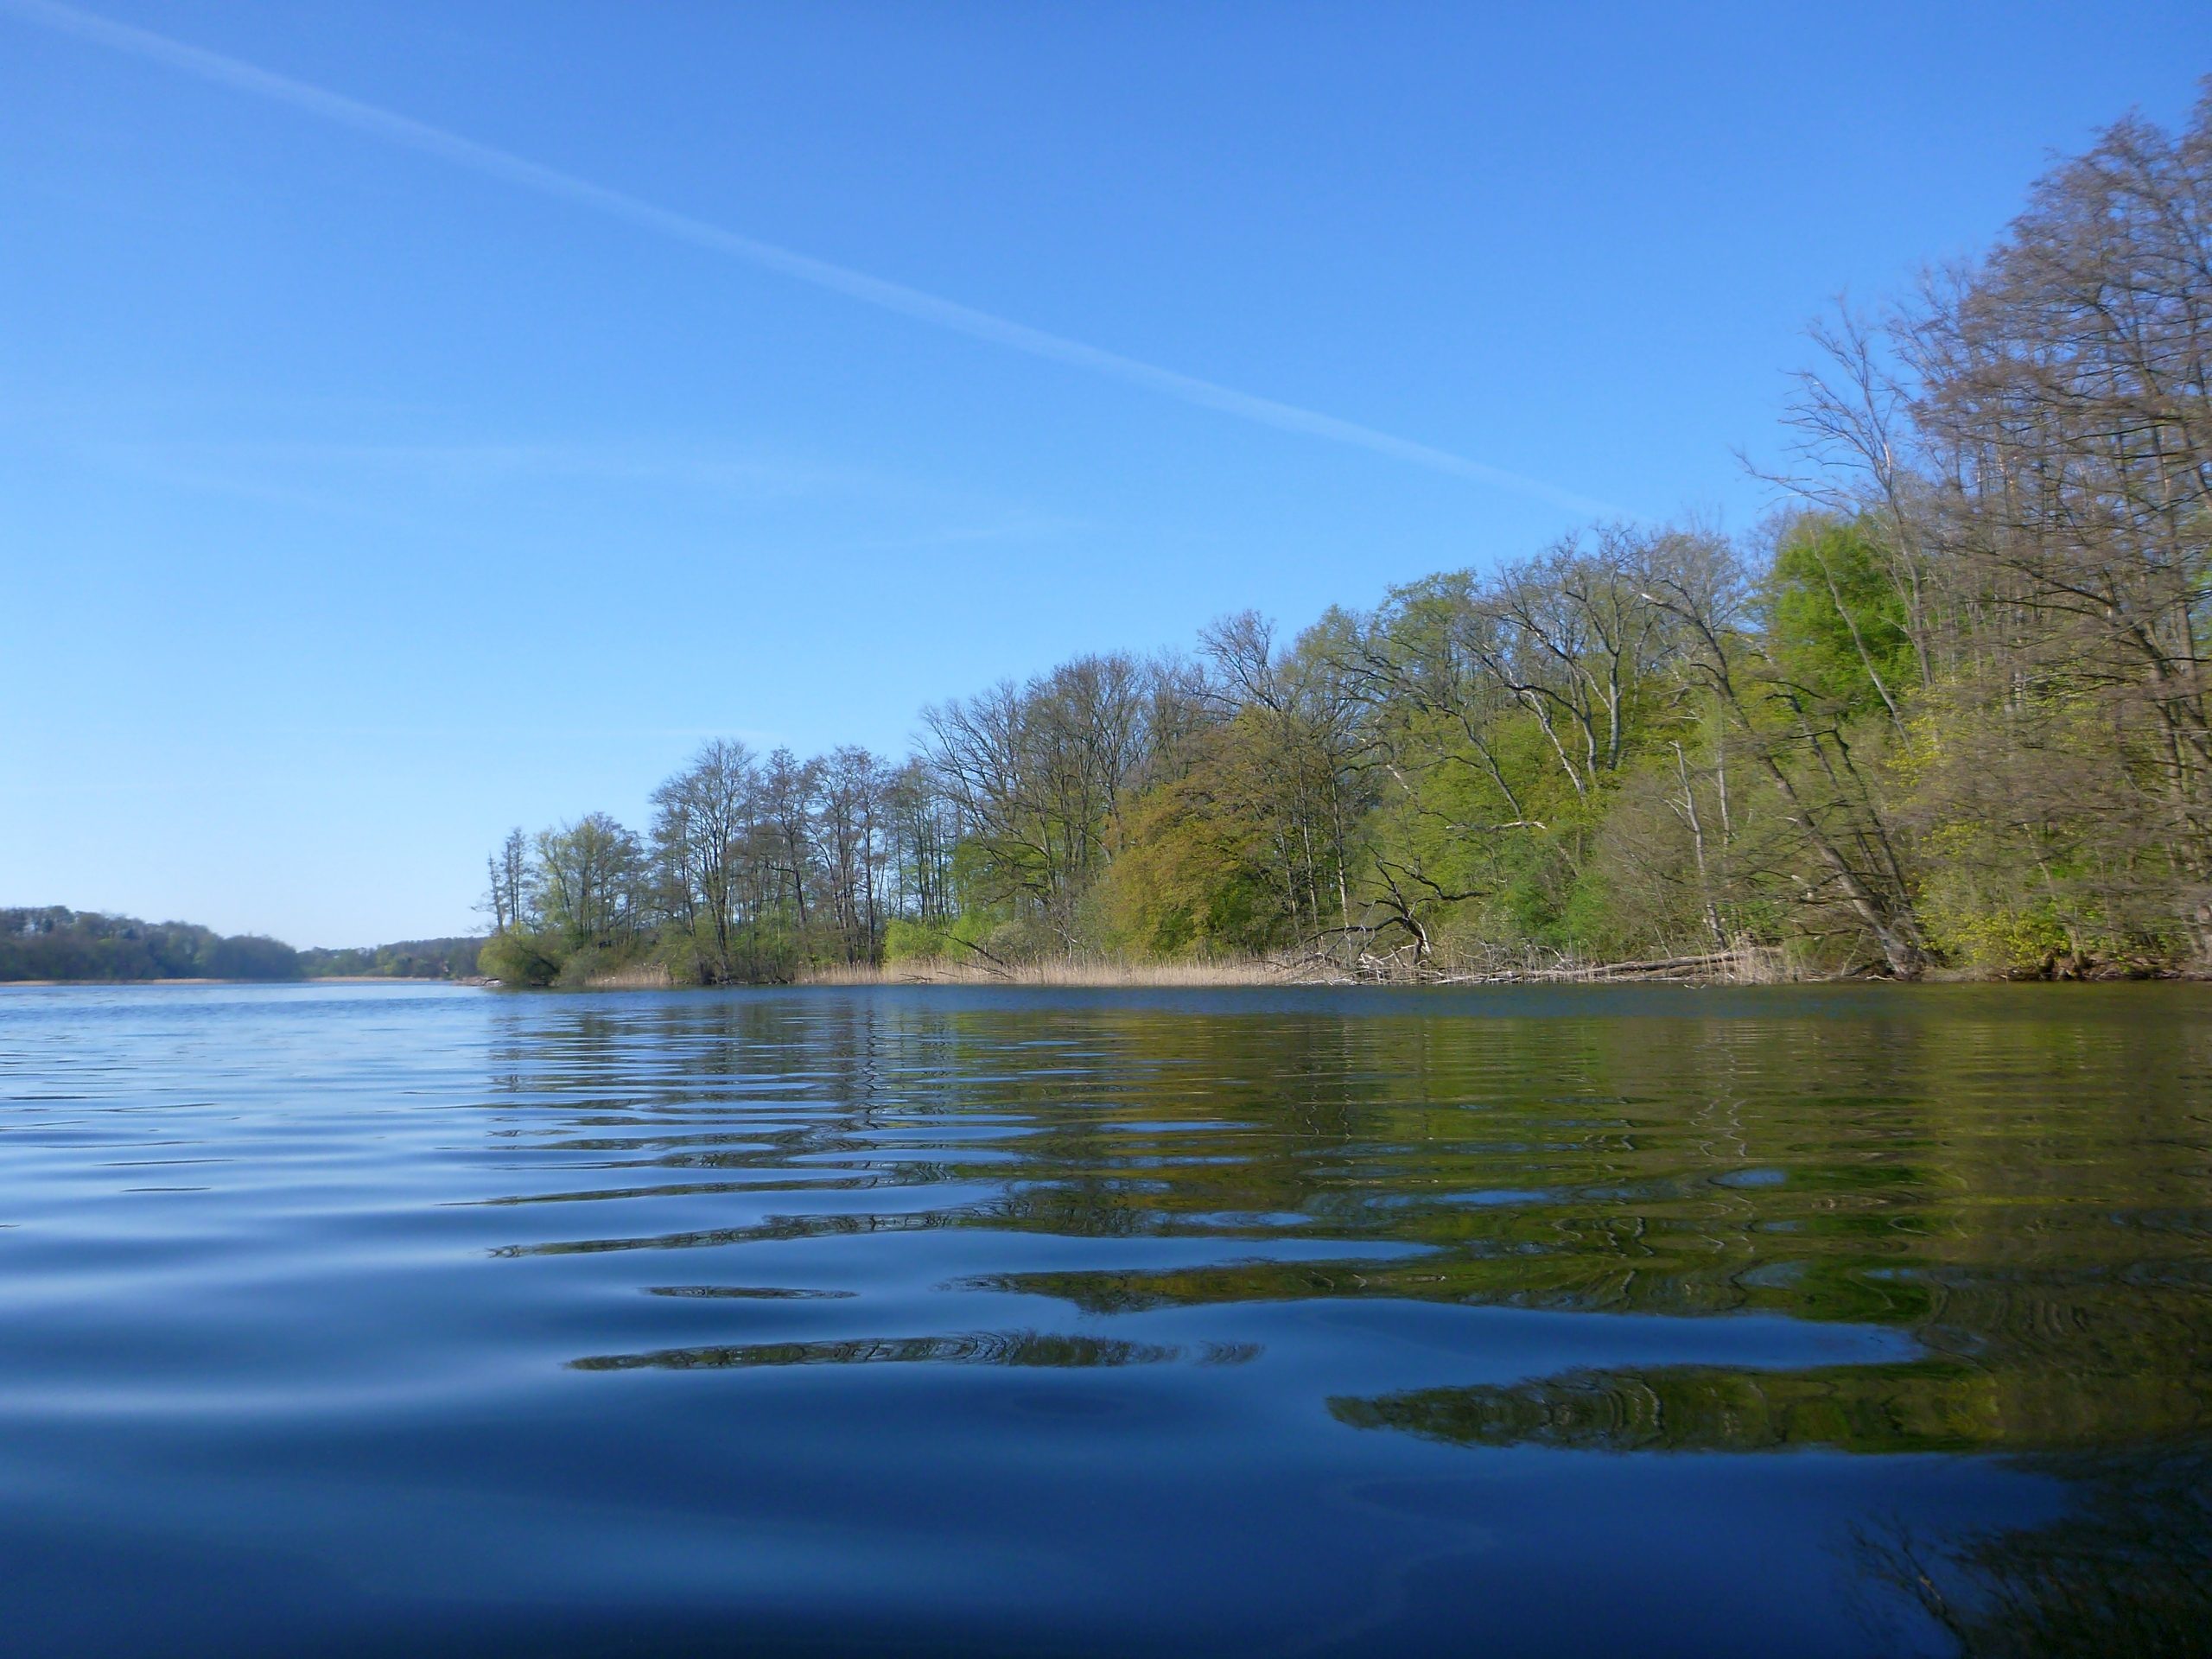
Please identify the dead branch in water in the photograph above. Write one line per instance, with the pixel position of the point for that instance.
(1744, 965)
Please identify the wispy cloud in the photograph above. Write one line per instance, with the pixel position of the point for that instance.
(722, 470)
(416, 486)
(524, 174)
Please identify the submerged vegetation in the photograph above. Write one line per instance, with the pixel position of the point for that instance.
(1947, 710)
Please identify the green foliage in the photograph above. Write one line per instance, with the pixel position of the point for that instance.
(688, 958)
(451, 958)
(250, 955)
(581, 966)
(907, 939)
(519, 958)
(1958, 718)
(984, 933)
(1993, 935)
(1191, 876)
(1835, 619)
(54, 943)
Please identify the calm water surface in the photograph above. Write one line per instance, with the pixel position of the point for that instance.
(372, 1319)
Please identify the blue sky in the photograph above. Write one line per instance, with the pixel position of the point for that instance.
(359, 498)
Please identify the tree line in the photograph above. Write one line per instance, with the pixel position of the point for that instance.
(1946, 708)
(449, 958)
(50, 942)
(54, 943)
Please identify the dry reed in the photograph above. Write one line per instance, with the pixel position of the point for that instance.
(643, 976)
(1057, 971)
(1741, 964)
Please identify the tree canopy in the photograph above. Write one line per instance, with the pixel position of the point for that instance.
(1946, 708)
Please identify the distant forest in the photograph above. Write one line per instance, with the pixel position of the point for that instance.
(1946, 710)
(409, 959)
(53, 943)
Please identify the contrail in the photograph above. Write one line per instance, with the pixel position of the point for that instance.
(513, 170)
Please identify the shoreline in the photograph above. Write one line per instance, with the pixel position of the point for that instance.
(1718, 971)
(314, 979)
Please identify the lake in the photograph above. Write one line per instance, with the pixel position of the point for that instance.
(1790, 1320)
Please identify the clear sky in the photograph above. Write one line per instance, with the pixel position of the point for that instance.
(419, 418)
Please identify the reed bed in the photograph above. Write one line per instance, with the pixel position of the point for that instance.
(1741, 964)
(1059, 971)
(640, 976)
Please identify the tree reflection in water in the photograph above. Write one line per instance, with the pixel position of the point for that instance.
(2023, 1201)
(2126, 1574)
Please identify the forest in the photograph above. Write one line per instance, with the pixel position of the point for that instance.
(53, 943)
(454, 958)
(1943, 712)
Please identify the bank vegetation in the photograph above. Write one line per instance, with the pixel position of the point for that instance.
(1945, 712)
(54, 943)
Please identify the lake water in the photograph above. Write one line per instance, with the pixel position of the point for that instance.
(381, 1320)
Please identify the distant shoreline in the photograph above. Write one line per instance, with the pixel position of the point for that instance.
(317, 979)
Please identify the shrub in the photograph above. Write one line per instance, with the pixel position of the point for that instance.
(517, 959)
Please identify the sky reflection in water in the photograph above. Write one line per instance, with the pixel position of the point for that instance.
(371, 1319)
